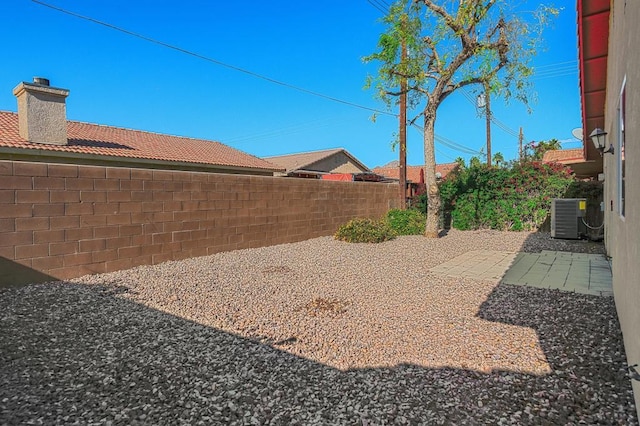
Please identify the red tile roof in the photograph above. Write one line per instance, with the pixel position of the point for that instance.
(93, 139)
(413, 172)
(564, 156)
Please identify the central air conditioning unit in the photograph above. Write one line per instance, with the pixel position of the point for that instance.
(567, 218)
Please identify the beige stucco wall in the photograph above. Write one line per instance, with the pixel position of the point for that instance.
(623, 233)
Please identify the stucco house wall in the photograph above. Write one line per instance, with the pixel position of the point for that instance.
(337, 163)
(623, 231)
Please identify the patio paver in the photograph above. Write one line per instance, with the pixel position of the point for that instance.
(574, 272)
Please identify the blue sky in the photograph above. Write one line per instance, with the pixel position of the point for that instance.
(119, 80)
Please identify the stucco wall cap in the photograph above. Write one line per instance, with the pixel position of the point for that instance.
(30, 87)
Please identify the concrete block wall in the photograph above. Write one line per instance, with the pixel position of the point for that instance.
(60, 221)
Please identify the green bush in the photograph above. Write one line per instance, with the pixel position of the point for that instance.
(406, 222)
(515, 198)
(362, 230)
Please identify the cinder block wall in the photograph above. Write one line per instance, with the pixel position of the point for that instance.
(61, 221)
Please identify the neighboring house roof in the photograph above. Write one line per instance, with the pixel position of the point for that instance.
(573, 158)
(593, 48)
(564, 156)
(413, 172)
(98, 141)
(313, 161)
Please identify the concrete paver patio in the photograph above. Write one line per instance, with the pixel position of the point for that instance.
(574, 272)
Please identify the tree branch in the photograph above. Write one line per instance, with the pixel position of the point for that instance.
(448, 19)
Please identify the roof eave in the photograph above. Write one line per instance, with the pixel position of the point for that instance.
(593, 35)
(118, 161)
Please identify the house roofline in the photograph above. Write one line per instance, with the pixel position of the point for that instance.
(593, 18)
(331, 151)
(39, 155)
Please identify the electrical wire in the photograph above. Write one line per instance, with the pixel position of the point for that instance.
(563, 68)
(504, 127)
(444, 155)
(383, 6)
(214, 61)
(449, 143)
(284, 131)
(556, 64)
(554, 70)
(493, 119)
(564, 74)
(591, 227)
(377, 6)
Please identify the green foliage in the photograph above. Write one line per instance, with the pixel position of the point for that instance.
(534, 151)
(466, 42)
(451, 45)
(498, 160)
(591, 190)
(363, 230)
(406, 222)
(512, 198)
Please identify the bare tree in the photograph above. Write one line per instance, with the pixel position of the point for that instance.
(452, 44)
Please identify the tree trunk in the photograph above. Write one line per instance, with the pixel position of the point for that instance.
(433, 193)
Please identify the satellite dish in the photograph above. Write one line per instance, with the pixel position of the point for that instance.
(578, 133)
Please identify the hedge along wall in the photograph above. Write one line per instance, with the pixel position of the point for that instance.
(60, 221)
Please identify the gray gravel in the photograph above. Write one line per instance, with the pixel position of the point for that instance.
(317, 332)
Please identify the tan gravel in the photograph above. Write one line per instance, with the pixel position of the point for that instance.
(321, 332)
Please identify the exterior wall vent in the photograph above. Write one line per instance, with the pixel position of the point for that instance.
(41, 81)
(567, 218)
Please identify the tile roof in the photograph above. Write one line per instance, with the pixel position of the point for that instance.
(302, 160)
(413, 172)
(564, 156)
(93, 139)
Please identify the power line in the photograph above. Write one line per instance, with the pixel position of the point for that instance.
(504, 127)
(383, 7)
(554, 70)
(284, 131)
(449, 143)
(206, 58)
(377, 5)
(444, 155)
(557, 75)
(493, 118)
(573, 61)
(564, 68)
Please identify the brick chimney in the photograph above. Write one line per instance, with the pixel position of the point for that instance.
(42, 113)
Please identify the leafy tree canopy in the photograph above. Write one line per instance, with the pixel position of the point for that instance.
(451, 44)
(456, 43)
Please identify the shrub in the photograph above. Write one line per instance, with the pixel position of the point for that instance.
(362, 230)
(406, 222)
(514, 198)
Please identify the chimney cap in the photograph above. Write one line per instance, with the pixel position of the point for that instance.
(41, 81)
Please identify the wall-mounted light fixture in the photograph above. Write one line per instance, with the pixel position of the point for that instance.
(599, 138)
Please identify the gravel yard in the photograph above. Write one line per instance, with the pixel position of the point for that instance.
(316, 332)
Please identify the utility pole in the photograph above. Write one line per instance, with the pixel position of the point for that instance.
(488, 114)
(402, 163)
(520, 138)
